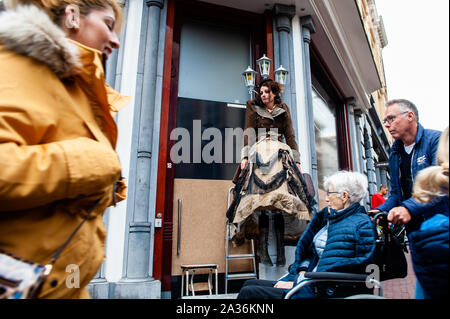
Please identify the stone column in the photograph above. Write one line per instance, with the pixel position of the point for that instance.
(370, 163)
(383, 176)
(378, 179)
(360, 138)
(137, 280)
(351, 103)
(283, 15)
(360, 141)
(383, 167)
(308, 28)
(99, 287)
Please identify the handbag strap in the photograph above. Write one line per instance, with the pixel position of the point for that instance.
(56, 255)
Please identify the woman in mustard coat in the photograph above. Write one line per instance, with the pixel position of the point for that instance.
(57, 134)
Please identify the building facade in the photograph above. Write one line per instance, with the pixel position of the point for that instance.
(181, 62)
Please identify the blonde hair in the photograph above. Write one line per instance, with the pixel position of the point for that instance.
(55, 8)
(433, 181)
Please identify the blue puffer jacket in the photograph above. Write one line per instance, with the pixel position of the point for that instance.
(424, 155)
(349, 248)
(430, 255)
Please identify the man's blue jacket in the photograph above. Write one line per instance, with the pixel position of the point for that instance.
(424, 155)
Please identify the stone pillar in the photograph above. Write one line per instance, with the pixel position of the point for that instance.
(350, 102)
(283, 48)
(307, 27)
(370, 163)
(360, 141)
(99, 287)
(383, 168)
(383, 176)
(137, 280)
(377, 172)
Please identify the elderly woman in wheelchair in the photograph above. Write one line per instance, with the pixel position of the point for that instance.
(339, 238)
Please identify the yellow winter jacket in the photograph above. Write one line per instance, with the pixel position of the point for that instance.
(57, 140)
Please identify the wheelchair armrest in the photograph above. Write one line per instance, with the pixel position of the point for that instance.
(313, 277)
(335, 276)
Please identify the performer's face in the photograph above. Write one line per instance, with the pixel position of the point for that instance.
(266, 95)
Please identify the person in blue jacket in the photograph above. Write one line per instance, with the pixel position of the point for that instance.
(430, 244)
(339, 238)
(414, 149)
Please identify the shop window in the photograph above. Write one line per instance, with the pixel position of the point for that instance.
(332, 149)
(212, 59)
(326, 141)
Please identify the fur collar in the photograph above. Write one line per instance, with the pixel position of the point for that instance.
(262, 111)
(29, 31)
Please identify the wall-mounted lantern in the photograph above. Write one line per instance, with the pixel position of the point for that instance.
(249, 79)
(264, 66)
(281, 75)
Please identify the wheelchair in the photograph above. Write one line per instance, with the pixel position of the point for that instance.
(389, 263)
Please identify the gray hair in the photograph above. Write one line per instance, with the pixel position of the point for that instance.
(405, 105)
(354, 183)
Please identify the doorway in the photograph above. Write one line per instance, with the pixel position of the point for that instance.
(212, 45)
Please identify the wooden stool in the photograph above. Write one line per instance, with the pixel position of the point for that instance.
(199, 286)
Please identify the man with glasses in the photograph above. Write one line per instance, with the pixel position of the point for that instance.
(414, 149)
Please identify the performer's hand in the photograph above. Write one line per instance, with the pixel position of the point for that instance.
(298, 166)
(399, 215)
(284, 284)
(244, 163)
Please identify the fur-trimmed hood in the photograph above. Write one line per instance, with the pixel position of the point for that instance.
(28, 30)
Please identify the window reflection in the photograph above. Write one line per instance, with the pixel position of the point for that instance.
(212, 59)
(326, 142)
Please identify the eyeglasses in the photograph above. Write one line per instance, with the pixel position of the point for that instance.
(329, 193)
(389, 119)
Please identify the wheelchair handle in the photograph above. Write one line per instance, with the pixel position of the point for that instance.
(382, 216)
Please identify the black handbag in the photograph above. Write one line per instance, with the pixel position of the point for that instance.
(309, 184)
(389, 252)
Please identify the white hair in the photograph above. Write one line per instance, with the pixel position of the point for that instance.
(354, 183)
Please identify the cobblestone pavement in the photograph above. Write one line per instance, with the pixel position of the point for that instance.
(403, 288)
